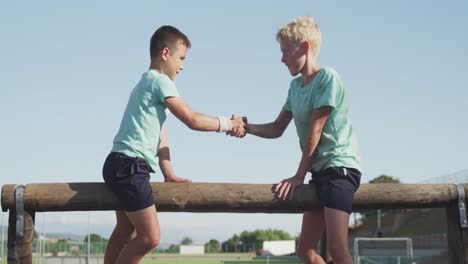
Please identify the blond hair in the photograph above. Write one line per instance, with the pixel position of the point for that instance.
(300, 30)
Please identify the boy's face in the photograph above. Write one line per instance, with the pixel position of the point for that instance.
(173, 59)
(293, 57)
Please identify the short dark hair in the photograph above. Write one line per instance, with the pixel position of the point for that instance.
(166, 36)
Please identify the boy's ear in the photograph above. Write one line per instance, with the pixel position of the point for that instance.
(306, 47)
(165, 53)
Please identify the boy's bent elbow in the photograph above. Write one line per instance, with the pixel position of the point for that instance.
(277, 134)
(191, 124)
(278, 131)
(190, 120)
(272, 134)
(194, 124)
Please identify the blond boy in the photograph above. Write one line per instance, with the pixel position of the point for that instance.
(317, 101)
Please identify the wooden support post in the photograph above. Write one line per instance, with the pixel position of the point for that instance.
(20, 247)
(457, 237)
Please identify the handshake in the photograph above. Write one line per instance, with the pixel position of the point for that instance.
(236, 127)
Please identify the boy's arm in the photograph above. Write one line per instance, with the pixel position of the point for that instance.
(200, 121)
(318, 119)
(165, 161)
(271, 130)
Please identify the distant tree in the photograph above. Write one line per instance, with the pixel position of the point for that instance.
(94, 238)
(186, 241)
(173, 249)
(158, 250)
(385, 179)
(231, 244)
(98, 243)
(62, 245)
(212, 246)
(252, 241)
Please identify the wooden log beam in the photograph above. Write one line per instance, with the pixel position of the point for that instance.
(225, 197)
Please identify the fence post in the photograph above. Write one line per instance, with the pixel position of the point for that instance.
(457, 229)
(20, 247)
(20, 231)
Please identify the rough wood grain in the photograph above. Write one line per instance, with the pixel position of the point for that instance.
(225, 197)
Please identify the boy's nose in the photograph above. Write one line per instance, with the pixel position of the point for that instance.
(283, 59)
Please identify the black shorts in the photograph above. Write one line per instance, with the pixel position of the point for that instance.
(336, 187)
(128, 178)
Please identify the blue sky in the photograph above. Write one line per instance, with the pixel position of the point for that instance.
(67, 69)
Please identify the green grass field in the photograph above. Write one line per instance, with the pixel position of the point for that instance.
(210, 261)
(218, 259)
(263, 260)
(205, 259)
(172, 261)
(164, 259)
(181, 261)
(161, 261)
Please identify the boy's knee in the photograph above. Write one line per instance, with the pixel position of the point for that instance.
(150, 241)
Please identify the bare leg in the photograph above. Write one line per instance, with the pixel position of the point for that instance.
(147, 236)
(313, 224)
(337, 235)
(119, 238)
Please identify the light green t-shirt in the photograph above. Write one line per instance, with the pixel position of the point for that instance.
(338, 145)
(140, 129)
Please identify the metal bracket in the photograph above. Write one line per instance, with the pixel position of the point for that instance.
(19, 202)
(461, 205)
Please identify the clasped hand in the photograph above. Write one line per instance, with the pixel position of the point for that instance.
(239, 127)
